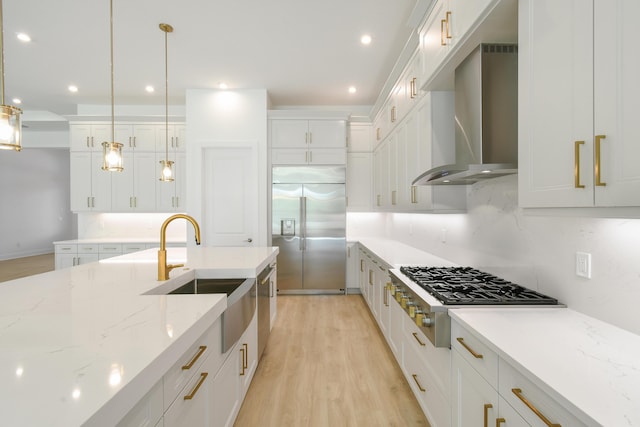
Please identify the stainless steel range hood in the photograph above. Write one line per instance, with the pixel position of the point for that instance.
(486, 118)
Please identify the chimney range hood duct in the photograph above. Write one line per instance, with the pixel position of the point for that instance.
(486, 118)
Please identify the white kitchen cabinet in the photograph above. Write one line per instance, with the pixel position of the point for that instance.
(359, 179)
(134, 189)
(90, 185)
(90, 136)
(432, 144)
(177, 137)
(300, 133)
(434, 41)
(488, 389)
(232, 380)
(147, 412)
(321, 156)
(585, 154)
(143, 138)
(352, 267)
(381, 176)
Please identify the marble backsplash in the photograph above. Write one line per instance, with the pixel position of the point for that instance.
(533, 248)
(137, 226)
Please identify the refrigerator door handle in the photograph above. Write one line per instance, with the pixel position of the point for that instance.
(303, 223)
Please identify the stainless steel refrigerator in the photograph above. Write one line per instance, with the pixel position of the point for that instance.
(308, 225)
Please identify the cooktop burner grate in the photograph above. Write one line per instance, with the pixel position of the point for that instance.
(468, 286)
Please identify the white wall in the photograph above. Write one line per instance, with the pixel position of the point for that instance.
(535, 251)
(34, 200)
(224, 118)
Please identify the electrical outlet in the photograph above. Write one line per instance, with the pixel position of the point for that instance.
(583, 264)
(443, 235)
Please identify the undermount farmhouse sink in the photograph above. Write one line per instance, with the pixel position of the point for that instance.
(241, 303)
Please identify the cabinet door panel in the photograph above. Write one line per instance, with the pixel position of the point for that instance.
(327, 134)
(555, 107)
(330, 156)
(289, 156)
(289, 133)
(470, 394)
(617, 101)
(359, 181)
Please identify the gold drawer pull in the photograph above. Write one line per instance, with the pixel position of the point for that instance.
(487, 406)
(203, 376)
(246, 356)
(469, 349)
(599, 183)
(442, 33)
(202, 349)
(500, 421)
(576, 164)
(415, 378)
(415, 335)
(535, 410)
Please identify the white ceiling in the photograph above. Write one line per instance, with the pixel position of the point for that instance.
(303, 52)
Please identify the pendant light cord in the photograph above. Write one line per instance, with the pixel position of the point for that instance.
(166, 97)
(1, 54)
(113, 126)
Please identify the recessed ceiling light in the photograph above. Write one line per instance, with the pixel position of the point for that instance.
(365, 39)
(352, 89)
(23, 37)
(223, 86)
(149, 89)
(17, 101)
(73, 88)
(486, 171)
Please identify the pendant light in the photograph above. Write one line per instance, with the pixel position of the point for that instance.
(112, 151)
(10, 126)
(166, 175)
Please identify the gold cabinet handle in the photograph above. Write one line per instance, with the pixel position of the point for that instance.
(393, 114)
(415, 335)
(246, 356)
(242, 350)
(378, 200)
(469, 349)
(414, 87)
(518, 393)
(442, 34)
(371, 277)
(393, 197)
(362, 265)
(201, 350)
(599, 183)
(203, 376)
(378, 134)
(415, 378)
(448, 16)
(414, 195)
(500, 421)
(487, 406)
(576, 164)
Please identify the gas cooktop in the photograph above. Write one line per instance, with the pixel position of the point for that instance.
(468, 286)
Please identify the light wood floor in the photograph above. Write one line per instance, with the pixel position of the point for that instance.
(27, 266)
(327, 364)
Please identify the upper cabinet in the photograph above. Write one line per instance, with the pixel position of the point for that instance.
(578, 143)
(302, 141)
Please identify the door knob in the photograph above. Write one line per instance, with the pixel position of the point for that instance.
(249, 240)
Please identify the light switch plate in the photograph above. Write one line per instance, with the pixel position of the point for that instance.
(583, 264)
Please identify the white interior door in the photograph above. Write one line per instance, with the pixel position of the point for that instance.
(230, 196)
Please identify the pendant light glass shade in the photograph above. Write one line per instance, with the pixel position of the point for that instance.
(166, 174)
(112, 151)
(10, 123)
(112, 156)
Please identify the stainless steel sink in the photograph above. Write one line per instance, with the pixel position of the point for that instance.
(209, 286)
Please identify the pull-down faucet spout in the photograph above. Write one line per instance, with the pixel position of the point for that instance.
(163, 267)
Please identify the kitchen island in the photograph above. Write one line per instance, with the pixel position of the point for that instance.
(83, 345)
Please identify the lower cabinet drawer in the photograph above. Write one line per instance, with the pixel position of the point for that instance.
(423, 384)
(193, 406)
(481, 357)
(531, 402)
(84, 248)
(184, 369)
(66, 249)
(437, 360)
(110, 248)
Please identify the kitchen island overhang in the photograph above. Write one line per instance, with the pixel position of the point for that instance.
(83, 344)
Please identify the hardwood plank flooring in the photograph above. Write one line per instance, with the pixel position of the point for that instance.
(327, 364)
(27, 266)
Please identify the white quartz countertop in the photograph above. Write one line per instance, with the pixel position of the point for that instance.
(397, 254)
(84, 344)
(107, 240)
(591, 367)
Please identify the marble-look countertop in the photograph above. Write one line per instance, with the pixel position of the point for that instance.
(83, 344)
(589, 366)
(592, 368)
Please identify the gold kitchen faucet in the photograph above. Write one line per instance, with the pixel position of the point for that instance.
(163, 267)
